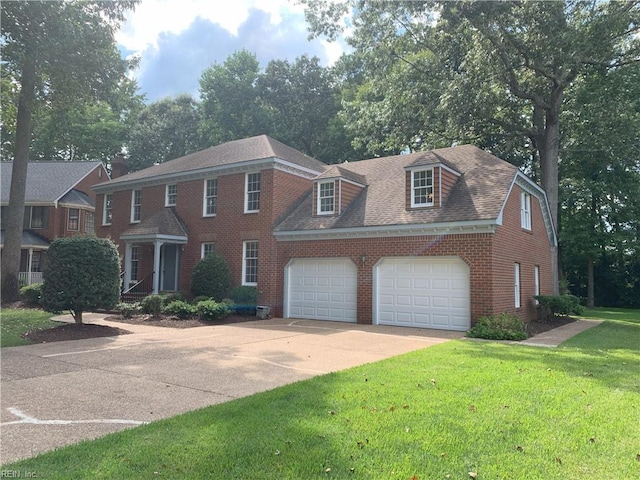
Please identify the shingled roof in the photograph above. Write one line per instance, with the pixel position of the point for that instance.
(47, 182)
(163, 223)
(226, 154)
(479, 193)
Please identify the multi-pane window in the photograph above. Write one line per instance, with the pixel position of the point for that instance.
(73, 220)
(525, 210)
(326, 197)
(89, 225)
(516, 283)
(38, 217)
(422, 188)
(252, 193)
(171, 197)
(135, 262)
(107, 209)
(250, 263)
(210, 196)
(536, 282)
(136, 205)
(207, 248)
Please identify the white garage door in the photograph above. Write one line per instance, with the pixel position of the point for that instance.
(429, 292)
(321, 289)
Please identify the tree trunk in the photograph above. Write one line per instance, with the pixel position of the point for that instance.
(590, 283)
(77, 316)
(13, 231)
(549, 154)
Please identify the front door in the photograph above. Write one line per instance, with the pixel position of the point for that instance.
(169, 266)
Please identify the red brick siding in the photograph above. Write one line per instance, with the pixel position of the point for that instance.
(473, 249)
(528, 248)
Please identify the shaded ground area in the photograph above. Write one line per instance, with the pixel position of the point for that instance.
(73, 331)
(77, 332)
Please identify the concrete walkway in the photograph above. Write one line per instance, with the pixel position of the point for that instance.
(555, 337)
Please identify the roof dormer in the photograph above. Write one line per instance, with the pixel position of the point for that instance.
(334, 190)
(428, 182)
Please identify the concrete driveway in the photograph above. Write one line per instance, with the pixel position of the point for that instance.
(60, 393)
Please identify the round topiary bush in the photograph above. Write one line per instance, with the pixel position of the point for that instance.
(211, 277)
(81, 274)
(31, 294)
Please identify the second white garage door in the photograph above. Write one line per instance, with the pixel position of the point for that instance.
(429, 292)
(321, 289)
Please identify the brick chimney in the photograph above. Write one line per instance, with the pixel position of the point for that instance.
(119, 166)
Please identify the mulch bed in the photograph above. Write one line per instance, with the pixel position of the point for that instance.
(72, 331)
(535, 328)
(172, 322)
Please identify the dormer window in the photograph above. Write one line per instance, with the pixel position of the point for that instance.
(326, 198)
(422, 188)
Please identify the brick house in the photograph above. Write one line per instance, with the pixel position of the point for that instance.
(429, 239)
(59, 202)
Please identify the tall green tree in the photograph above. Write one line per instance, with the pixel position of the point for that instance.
(600, 187)
(164, 130)
(230, 104)
(501, 67)
(58, 51)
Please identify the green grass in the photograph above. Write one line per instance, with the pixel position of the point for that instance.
(609, 313)
(501, 411)
(15, 322)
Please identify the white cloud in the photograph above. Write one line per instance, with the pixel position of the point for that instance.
(153, 17)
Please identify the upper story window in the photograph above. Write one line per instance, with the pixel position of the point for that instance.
(73, 220)
(252, 193)
(171, 197)
(250, 263)
(38, 217)
(422, 188)
(207, 249)
(136, 205)
(210, 197)
(107, 209)
(525, 210)
(326, 195)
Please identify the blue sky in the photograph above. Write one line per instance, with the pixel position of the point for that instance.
(177, 39)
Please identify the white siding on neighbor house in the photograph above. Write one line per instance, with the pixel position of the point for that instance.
(321, 289)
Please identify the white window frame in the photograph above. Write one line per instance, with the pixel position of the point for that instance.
(76, 220)
(423, 184)
(206, 246)
(248, 262)
(89, 223)
(207, 196)
(136, 205)
(516, 284)
(43, 213)
(536, 282)
(525, 210)
(107, 209)
(252, 196)
(322, 206)
(171, 195)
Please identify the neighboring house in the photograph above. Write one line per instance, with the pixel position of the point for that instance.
(59, 202)
(429, 239)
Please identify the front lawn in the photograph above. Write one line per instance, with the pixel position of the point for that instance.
(493, 410)
(15, 321)
(610, 313)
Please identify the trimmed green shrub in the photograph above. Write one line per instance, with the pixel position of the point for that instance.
(172, 297)
(128, 310)
(244, 299)
(180, 309)
(211, 277)
(505, 326)
(82, 273)
(152, 304)
(31, 294)
(552, 305)
(212, 310)
(199, 299)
